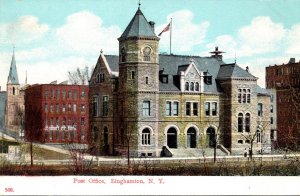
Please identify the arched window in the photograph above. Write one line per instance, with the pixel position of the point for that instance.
(240, 122)
(247, 123)
(258, 136)
(146, 137)
(192, 86)
(98, 78)
(187, 86)
(197, 86)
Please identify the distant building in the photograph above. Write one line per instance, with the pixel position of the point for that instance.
(285, 81)
(14, 112)
(2, 108)
(57, 113)
(173, 105)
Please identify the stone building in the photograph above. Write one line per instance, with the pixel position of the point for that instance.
(173, 105)
(2, 108)
(57, 113)
(14, 113)
(284, 79)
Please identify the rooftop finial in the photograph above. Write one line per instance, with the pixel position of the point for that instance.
(139, 4)
(13, 48)
(235, 58)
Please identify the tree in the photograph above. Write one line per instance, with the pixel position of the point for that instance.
(80, 76)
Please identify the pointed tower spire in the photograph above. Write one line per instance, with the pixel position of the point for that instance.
(138, 26)
(13, 74)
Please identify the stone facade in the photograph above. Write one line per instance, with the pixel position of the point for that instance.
(161, 105)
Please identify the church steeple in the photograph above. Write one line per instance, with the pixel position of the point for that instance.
(13, 74)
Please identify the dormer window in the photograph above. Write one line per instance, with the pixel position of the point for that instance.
(192, 86)
(147, 52)
(100, 78)
(165, 79)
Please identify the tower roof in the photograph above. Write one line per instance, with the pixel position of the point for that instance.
(13, 74)
(138, 26)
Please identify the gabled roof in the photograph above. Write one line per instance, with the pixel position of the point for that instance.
(232, 70)
(13, 74)
(138, 27)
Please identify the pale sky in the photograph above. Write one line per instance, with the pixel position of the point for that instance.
(54, 36)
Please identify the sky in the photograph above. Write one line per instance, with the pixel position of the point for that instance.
(52, 37)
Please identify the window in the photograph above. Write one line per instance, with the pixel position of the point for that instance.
(123, 57)
(168, 108)
(146, 108)
(191, 107)
(188, 108)
(51, 135)
(271, 108)
(46, 95)
(95, 106)
(82, 108)
(105, 106)
(69, 95)
(51, 122)
(240, 141)
(105, 136)
(175, 108)
(82, 95)
(271, 121)
(247, 141)
(192, 86)
(240, 122)
(165, 79)
(46, 107)
(258, 136)
(82, 121)
(172, 108)
(69, 122)
(260, 109)
(146, 137)
(53, 94)
(187, 86)
(98, 78)
(132, 75)
(211, 108)
(64, 95)
(51, 108)
(244, 95)
(247, 123)
(57, 94)
(57, 108)
(147, 80)
(195, 109)
(207, 108)
(57, 135)
(46, 122)
(74, 107)
(75, 95)
(64, 108)
(272, 98)
(69, 107)
(57, 122)
(63, 135)
(64, 121)
(102, 78)
(197, 86)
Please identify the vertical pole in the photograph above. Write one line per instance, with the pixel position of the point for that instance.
(171, 36)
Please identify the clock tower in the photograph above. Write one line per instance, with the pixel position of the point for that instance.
(138, 83)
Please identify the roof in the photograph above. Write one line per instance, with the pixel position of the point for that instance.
(138, 26)
(171, 64)
(13, 74)
(232, 70)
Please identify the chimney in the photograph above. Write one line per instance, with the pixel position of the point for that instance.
(292, 60)
(152, 24)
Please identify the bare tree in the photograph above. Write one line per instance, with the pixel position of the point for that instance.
(79, 76)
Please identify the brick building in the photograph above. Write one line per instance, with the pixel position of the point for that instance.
(173, 105)
(285, 80)
(57, 113)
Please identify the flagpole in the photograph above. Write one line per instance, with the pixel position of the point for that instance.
(171, 37)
